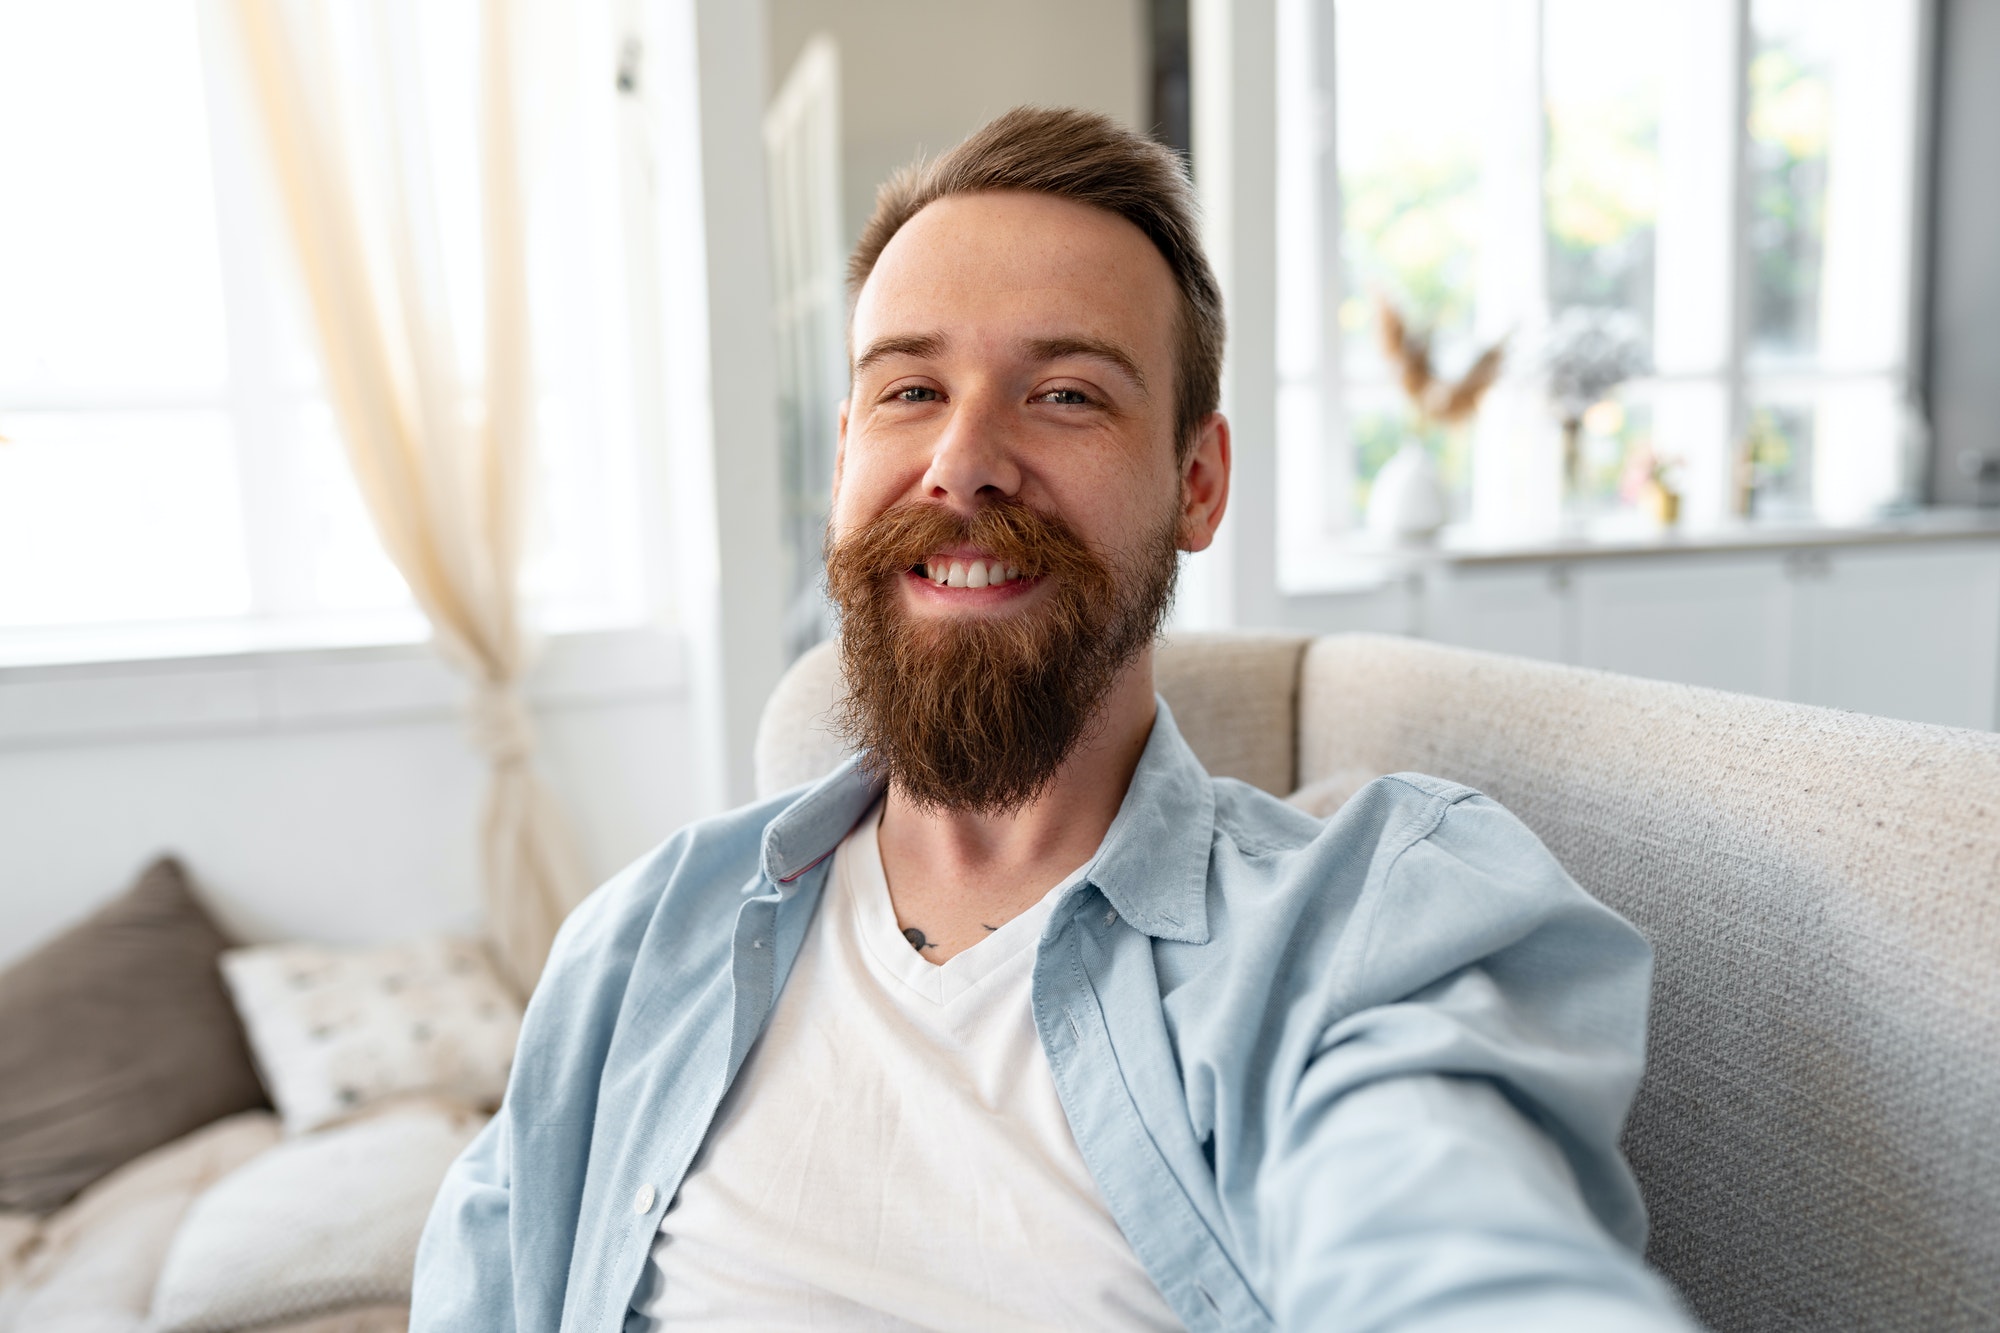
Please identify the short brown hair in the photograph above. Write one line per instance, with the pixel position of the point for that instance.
(1091, 159)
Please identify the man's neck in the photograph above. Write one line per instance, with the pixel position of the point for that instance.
(954, 876)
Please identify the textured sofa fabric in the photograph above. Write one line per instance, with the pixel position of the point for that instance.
(795, 740)
(115, 1037)
(1234, 698)
(1816, 1131)
(386, 1318)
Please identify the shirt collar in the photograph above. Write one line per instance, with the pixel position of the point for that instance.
(806, 831)
(1152, 866)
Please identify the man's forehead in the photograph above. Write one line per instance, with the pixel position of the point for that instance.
(1053, 266)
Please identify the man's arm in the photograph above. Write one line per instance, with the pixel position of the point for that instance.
(465, 1261)
(496, 1251)
(1448, 1156)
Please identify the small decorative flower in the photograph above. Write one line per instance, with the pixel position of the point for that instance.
(1587, 353)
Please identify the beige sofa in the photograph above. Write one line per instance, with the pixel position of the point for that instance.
(1818, 1133)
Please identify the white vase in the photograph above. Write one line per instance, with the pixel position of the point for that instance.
(1407, 502)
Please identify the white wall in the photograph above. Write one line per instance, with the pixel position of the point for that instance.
(919, 75)
(325, 796)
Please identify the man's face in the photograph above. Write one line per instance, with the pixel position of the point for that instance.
(1008, 503)
(1012, 346)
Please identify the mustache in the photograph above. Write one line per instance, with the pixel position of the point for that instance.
(908, 534)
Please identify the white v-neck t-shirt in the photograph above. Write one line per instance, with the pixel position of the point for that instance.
(893, 1153)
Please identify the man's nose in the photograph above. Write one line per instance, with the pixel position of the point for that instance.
(972, 461)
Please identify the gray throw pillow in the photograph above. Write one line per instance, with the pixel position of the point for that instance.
(115, 1037)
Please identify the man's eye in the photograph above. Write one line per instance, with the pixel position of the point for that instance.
(1066, 397)
(917, 393)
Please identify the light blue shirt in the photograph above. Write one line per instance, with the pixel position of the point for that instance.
(1366, 1073)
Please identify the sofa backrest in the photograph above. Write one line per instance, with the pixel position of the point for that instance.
(1816, 1133)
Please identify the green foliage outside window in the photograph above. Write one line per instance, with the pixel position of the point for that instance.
(1412, 234)
(1602, 187)
(1780, 445)
(1790, 114)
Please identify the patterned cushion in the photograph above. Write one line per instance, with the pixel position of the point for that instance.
(317, 1225)
(338, 1030)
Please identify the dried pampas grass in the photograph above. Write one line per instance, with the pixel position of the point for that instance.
(1409, 352)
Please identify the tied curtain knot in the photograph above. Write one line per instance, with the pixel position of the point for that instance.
(500, 725)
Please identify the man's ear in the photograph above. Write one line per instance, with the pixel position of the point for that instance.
(839, 450)
(1205, 484)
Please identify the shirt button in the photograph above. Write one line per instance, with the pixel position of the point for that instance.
(642, 1202)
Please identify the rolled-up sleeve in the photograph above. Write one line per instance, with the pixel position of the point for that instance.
(1446, 1156)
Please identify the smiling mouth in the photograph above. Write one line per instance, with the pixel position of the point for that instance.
(949, 573)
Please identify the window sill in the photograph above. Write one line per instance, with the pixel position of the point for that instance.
(1362, 563)
(91, 646)
(297, 681)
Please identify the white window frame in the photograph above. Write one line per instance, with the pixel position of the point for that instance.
(264, 402)
(707, 469)
(1234, 91)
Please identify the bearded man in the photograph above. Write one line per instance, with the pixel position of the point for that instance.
(1019, 1019)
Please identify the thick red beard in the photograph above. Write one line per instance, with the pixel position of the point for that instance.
(978, 713)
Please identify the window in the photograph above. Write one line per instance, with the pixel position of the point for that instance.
(171, 471)
(802, 168)
(1734, 177)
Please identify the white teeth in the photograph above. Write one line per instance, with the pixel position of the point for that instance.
(969, 573)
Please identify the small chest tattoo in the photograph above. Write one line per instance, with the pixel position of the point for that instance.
(919, 942)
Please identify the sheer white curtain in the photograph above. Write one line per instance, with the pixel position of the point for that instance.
(415, 266)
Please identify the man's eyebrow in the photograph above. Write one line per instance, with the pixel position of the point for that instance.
(902, 344)
(1101, 349)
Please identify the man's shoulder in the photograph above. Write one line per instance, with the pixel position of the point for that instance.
(1421, 850)
(695, 876)
(1411, 878)
(1381, 816)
